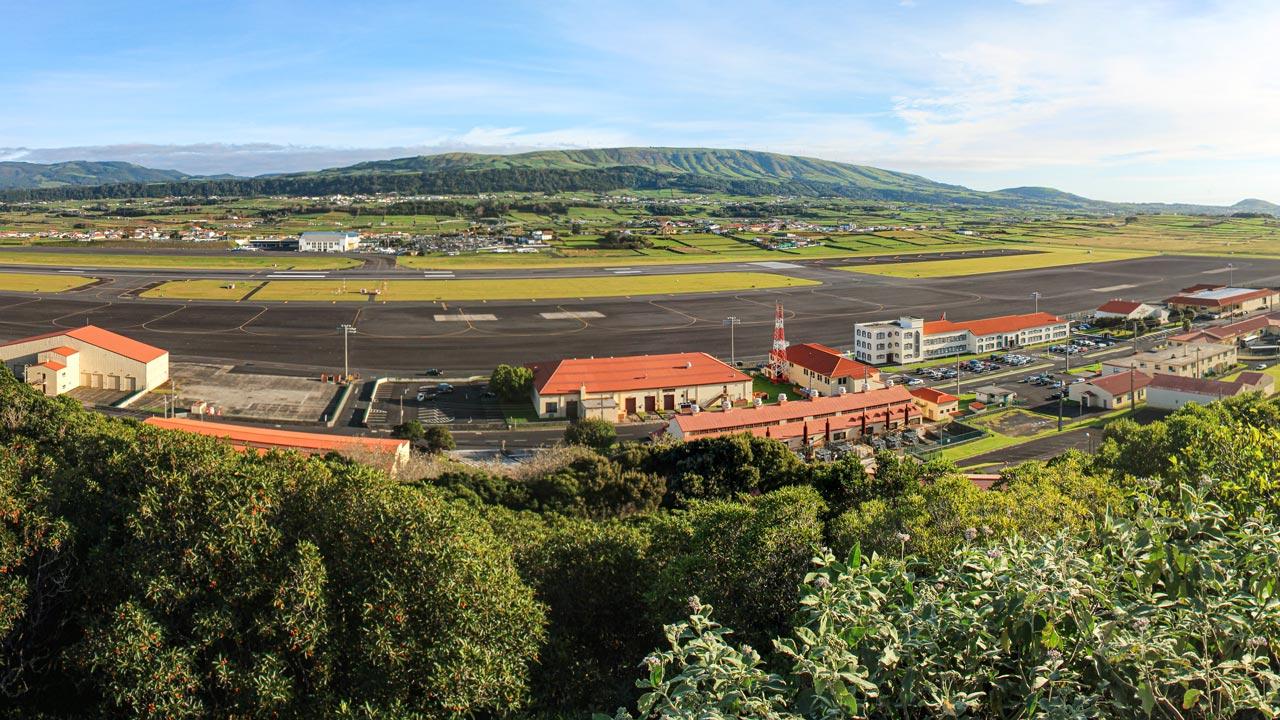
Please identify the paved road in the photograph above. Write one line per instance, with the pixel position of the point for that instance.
(406, 337)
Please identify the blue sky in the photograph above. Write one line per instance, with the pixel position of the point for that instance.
(1141, 100)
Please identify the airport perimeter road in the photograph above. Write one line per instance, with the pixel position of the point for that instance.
(471, 337)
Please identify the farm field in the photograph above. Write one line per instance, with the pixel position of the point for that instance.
(193, 262)
(33, 282)
(480, 290)
(1049, 257)
(1179, 234)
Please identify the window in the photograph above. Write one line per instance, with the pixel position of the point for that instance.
(552, 408)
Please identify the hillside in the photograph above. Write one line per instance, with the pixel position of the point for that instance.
(34, 175)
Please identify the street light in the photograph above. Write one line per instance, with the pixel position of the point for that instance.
(346, 330)
(731, 323)
(1231, 271)
(1036, 296)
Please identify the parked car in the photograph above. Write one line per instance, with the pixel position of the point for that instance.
(422, 396)
(444, 388)
(434, 372)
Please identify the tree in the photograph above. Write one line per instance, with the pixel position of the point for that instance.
(437, 439)
(412, 431)
(511, 383)
(591, 432)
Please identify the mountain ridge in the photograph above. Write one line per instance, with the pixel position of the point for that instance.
(16, 174)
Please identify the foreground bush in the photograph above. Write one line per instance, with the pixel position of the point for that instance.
(1171, 614)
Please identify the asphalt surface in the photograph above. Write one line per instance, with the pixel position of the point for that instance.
(395, 338)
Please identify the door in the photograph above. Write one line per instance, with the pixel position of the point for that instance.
(650, 403)
(668, 402)
(631, 406)
(131, 384)
(571, 408)
(113, 382)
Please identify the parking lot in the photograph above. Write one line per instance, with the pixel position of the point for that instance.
(433, 403)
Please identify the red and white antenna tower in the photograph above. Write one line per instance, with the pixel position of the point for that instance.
(778, 355)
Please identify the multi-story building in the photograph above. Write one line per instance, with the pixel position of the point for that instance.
(327, 241)
(823, 370)
(1193, 360)
(912, 339)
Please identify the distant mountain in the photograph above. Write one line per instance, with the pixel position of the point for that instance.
(34, 175)
(699, 170)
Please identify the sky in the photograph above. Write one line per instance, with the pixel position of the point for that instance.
(1140, 100)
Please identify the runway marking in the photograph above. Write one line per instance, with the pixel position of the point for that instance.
(627, 272)
(1215, 271)
(466, 318)
(70, 271)
(1113, 288)
(571, 315)
(775, 265)
(438, 274)
(297, 276)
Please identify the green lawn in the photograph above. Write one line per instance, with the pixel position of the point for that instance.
(32, 282)
(202, 290)
(760, 383)
(195, 262)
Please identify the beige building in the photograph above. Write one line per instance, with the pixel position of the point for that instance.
(824, 370)
(1170, 392)
(935, 405)
(86, 356)
(1111, 391)
(615, 389)
(1223, 301)
(1193, 360)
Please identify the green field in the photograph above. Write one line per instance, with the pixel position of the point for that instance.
(477, 290)
(194, 262)
(32, 282)
(1047, 258)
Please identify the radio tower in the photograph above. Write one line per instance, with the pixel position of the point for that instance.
(778, 355)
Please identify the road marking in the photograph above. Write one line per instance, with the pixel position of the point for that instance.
(775, 265)
(466, 318)
(1215, 271)
(296, 276)
(70, 271)
(1113, 288)
(438, 274)
(571, 315)
(627, 272)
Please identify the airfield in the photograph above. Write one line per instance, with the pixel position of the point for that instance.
(822, 299)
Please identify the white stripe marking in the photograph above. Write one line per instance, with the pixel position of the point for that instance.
(465, 318)
(571, 315)
(1215, 272)
(627, 272)
(1113, 288)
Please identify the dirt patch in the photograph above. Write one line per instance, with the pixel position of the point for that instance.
(1016, 423)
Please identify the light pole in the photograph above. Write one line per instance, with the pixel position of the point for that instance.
(1036, 296)
(731, 323)
(347, 330)
(1231, 271)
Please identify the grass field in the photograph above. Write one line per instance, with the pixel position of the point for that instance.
(201, 290)
(32, 282)
(1049, 257)
(478, 290)
(195, 262)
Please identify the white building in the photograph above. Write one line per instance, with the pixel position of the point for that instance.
(328, 241)
(1130, 310)
(86, 357)
(911, 339)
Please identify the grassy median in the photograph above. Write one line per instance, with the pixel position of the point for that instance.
(31, 282)
(1043, 258)
(193, 262)
(201, 290)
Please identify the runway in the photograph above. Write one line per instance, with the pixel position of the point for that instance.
(473, 337)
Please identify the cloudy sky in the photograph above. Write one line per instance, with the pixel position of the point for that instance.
(1138, 100)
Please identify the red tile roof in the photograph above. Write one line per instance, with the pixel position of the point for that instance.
(792, 411)
(633, 372)
(1189, 299)
(268, 438)
(991, 326)
(1119, 383)
(937, 397)
(105, 339)
(827, 361)
(1198, 386)
(1119, 307)
(52, 365)
(1253, 379)
(64, 351)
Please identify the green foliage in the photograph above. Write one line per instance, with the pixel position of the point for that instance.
(511, 382)
(591, 432)
(1162, 615)
(411, 430)
(721, 467)
(437, 439)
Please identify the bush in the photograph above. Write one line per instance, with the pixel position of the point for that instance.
(511, 382)
(591, 432)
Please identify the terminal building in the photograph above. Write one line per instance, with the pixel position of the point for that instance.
(1222, 301)
(616, 388)
(328, 241)
(911, 339)
(88, 356)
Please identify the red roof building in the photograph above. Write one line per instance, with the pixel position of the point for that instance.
(618, 388)
(825, 370)
(842, 417)
(382, 451)
(1222, 301)
(912, 339)
(91, 357)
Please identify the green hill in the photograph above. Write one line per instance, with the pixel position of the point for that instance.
(34, 175)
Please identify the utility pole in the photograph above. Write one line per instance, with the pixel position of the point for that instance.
(1231, 271)
(731, 323)
(1036, 296)
(347, 330)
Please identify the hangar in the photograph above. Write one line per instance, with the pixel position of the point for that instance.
(1222, 301)
(86, 356)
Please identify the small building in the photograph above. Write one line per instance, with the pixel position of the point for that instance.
(384, 452)
(1131, 310)
(935, 405)
(816, 421)
(328, 241)
(1223, 301)
(1242, 333)
(911, 339)
(824, 370)
(1170, 392)
(87, 356)
(994, 395)
(1194, 360)
(1111, 391)
(616, 388)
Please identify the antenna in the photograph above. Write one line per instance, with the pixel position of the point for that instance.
(778, 354)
